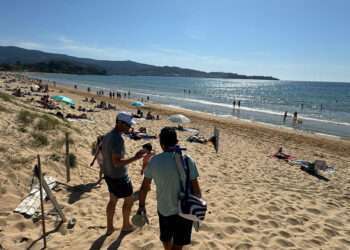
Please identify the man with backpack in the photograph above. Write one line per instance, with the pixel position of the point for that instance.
(115, 170)
(175, 231)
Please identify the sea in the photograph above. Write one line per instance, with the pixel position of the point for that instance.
(322, 107)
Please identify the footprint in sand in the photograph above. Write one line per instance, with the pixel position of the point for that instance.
(314, 226)
(284, 243)
(293, 221)
(273, 209)
(243, 246)
(297, 230)
(230, 230)
(273, 224)
(313, 211)
(248, 230)
(252, 222)
(230, 219)
(334, 222)
(330, 232)
(263, 216)
(284, 234)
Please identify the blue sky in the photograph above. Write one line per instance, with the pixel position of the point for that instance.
(289, 39)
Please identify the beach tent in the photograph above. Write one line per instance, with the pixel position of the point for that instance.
(179, 119)
(64, 99)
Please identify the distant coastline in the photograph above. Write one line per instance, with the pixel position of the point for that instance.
(24, 60)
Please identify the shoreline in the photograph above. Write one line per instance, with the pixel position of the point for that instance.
(259, 130)
(313, 125)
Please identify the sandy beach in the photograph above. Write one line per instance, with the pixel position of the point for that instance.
(255, 201)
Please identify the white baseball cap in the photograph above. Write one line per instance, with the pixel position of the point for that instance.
(125, 117)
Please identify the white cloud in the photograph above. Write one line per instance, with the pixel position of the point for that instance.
(22, 44)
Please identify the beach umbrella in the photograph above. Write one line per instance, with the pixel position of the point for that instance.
(137, 104)
(64, 99)
(179, 119)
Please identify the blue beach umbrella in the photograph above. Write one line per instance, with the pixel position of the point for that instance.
(137, 104)
(64, 99)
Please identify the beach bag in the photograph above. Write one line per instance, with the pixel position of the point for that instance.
(190, 206)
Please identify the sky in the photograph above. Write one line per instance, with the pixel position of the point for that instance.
(289, 39)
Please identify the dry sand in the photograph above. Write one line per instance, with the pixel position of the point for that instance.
(254, 201)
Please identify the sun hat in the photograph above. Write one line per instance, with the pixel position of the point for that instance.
(125, 117)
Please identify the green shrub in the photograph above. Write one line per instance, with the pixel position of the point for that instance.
(22, 129)
(72, 160)
(47, 123)
(25, 117)
(39, 139)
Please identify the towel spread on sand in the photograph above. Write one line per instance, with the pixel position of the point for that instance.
(32, 202)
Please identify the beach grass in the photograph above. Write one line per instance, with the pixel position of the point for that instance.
(47, 123)
(6, 97)
(26, 118)
(59, 143)
(4, 109)
(39, 139)
(19, 160)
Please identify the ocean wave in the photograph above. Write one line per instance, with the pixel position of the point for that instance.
(265, 111)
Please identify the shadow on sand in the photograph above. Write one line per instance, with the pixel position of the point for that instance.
(78, 190)
(98, 243)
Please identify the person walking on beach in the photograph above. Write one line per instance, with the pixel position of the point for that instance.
(285, 116)
(239, 103)
(234, 104)
(295, 117)
(175, 231)
(115, 170)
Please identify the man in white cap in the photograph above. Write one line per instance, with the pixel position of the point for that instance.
(115, 169)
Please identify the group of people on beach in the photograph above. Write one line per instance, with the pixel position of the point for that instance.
(175, 231)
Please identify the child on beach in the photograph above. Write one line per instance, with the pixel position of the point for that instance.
(149, 153)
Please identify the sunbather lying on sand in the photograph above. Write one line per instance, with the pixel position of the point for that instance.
(73, 116)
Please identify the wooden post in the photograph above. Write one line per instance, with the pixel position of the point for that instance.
(41, 199)
(217, 139)
(67, 158)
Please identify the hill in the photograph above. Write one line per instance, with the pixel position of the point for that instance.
(19, 59)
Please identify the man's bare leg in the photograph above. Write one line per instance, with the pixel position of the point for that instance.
(167, 245)
(128, 202)
(110, 213)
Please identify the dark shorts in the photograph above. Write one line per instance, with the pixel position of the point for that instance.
(176, 229)
(121, 188)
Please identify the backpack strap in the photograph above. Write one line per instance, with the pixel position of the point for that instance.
(188, 177)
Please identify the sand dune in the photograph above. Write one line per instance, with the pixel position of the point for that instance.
(255, 201)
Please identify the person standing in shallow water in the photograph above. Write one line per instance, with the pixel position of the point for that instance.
(115, 170)
(295, 117)
(285, 116)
